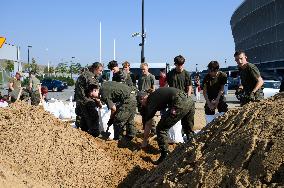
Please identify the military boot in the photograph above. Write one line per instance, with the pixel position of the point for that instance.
(163, 155)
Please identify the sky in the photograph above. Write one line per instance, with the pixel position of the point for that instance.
(58, 30)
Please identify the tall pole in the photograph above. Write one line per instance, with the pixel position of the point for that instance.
(29, 58)
(100, 42)
(113, 49)
(143, 35)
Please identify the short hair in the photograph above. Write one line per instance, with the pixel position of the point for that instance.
(95, 66)
(179, 60)
(213, 65)
(32, 72)
(126, 63)
(163, 70)
(112, 64)
(143, 64)
(239, 52)
(90, 88)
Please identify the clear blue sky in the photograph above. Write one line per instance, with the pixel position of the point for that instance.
(198, 30)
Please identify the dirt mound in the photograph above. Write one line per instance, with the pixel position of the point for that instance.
(243, 148)
(37, 150)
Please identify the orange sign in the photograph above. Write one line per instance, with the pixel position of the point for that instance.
(2, 40)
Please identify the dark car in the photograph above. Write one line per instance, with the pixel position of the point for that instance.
(54, 85)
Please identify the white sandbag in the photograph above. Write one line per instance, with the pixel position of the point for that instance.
(104, 115)
(210, 118)
(174, 134)
(64, 112)
(3, 104)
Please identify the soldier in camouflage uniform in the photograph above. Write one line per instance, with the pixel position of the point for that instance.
(87, 117)
(118, 75)
(130, 78)
(14, 87)
(120, 99)
(179, 106)
(213, 89)
(251, 80)
(180, 78)
(35, 89)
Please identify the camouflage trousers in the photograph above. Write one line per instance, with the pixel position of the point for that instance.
(87, 117)
(183, 109)
(124, 118)
(35, 98)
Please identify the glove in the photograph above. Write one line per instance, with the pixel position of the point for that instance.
(110, 122)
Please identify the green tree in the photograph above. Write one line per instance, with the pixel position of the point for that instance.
(34, 66)
(9, 66)
(62, 68)
(74, 68)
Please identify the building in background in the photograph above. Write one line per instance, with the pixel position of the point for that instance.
(258, 29)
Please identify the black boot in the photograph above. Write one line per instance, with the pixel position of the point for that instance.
(164, 154)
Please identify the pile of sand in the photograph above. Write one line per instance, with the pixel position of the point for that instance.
(243, 148)
(37, 150)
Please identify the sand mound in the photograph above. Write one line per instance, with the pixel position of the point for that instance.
(243, 148)
(37, 150)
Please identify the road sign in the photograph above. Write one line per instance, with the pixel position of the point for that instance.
(2, 40)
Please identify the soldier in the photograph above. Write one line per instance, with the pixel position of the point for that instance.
(147, 80)
(120, 99)
(14, 86)
(118, 75)
(35, 89)
(251, 80)
(179, 77)
(213, 89)
(130, 78)
(179, 107)
(87, 117)
(145, 83)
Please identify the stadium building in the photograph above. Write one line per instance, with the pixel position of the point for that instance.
(258, 29)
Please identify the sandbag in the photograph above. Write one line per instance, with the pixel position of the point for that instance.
(175, 134)
(3, 104)
(210, 118)
(104, 115)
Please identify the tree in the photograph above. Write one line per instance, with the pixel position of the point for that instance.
(33, 66)
(9, 66)
(74, 68)
(61, 68)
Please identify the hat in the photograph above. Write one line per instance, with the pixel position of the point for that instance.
(19, 73)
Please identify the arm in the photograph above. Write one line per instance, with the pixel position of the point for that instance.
(11, 86)
(258, 84)
(112, 112)
(147, 129)
(207, 99)
(189, 90)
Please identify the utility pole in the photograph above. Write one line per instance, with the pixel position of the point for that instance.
(142, 35)
(29, 58)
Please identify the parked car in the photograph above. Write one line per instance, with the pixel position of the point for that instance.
(271, 87)
(53, 85)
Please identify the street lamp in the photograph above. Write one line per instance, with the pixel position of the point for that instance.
(71, 66)
(29, 58)
(196, 68)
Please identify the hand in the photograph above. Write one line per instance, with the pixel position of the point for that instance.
(211, 105)
(144, 144)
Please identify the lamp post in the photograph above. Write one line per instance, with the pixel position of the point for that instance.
(196, 68)
(71, 66)
(143, 35)
(29, 58)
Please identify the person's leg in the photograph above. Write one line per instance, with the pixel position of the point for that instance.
(92, 118)
(187, 121)
(222, 106)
